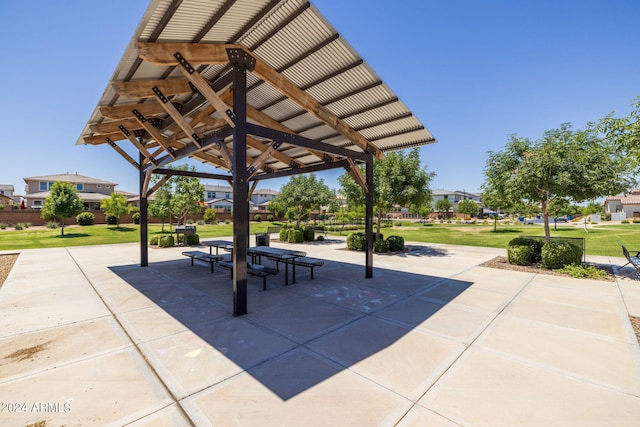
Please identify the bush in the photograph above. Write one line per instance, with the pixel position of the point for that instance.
(166, 242)
(534, 244)
(295, 236)
(111, 219)
(200, 222)
(624, 221)
(209, 215)
(85, 218)
(284, 234)
(356, 241)
(308, 235)
(381, 246)
(193, 239)
(520, 255)
(18, 226)
(583, 271)
(557, 254)
(320, 238)
(636, 221)
(3, 225)
(154, 240)
(396, 243)
(52, 224)
(136, 218)
(270, 218)
(257, 218)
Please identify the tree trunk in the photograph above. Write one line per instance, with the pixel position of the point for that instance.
(545, 218)
(379, 225)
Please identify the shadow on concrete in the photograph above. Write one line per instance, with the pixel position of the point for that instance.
(284, 322)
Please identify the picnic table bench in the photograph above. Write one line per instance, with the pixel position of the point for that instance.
(253, 269)
(310, 263)
(202, 256)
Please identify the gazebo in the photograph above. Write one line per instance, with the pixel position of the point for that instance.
(257, 89)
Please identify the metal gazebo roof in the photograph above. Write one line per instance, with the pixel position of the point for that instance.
(337, 98)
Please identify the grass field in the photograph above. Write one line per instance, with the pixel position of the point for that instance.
(600, 239)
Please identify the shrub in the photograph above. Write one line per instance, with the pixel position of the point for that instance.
(381, 246)
(378, 236)
(111, 219)
(270, 218)
(295, 236)
(396, 243)
(320, 238)
(534, 244)
(166, 242)
(154, 240)
(356, 241)
(200, 222)
(308, 235)
(557, 254)
(52, 224)
(284, 234)
(85, 218)
(520, 255)
(257, 218)
(583, 271)
(209, 215)
(624, 221)
(193, 239)
(3, 225)
(18, 226)
(136, 217)
(636, 221)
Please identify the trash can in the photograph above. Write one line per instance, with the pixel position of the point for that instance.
(262, 239)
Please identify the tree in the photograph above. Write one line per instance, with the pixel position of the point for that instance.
(398, 180)
(301, 195)
(162, 205)
(624, 132)
(115, 205)
(468, 207)
(574, 165)
(62, 202)
(444, 205)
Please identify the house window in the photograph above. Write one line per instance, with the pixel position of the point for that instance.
(43, 186)
(99, 185)
(80, 187)
(227, 195)
(107, 186)
(211, 195)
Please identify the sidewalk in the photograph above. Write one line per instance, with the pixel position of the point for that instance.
(90, 338)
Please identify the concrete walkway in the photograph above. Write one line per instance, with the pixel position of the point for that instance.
(88, 337)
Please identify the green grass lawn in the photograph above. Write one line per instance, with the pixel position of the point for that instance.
(600, 240)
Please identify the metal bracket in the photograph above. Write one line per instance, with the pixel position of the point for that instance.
(156, 122)
(196, 138)
(193, 87)
(140, 133)
(138, 115)
(160, 95)
(241, 56)
(124, 131)
(251, 170)
(181, 59)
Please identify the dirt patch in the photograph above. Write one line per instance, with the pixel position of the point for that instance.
(635, 321)
(501, 263)
(6, 264)
(27, 353)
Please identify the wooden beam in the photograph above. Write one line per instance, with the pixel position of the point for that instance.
(196, 54)
(123, 153)
(144, 88)
(101, 139)
(141, 148)
(356, 173)
(120, 112)
(114, 127)
(156, 135)
(176, 116)
(260, 161)
(158, 185)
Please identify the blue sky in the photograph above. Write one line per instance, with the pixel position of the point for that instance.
(473, 72)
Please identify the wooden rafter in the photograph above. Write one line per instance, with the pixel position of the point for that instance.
(123, 153)
(164, 54)
(176, 116)
(356, 173)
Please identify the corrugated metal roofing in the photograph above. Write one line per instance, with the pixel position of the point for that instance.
(293, 38)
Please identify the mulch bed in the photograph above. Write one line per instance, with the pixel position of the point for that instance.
(6, 264)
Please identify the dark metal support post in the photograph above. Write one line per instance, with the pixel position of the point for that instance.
(240, 190)
(368, 215)
(144, 220)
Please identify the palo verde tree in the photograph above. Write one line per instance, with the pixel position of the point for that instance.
(563, 164)
(115, 205)
(62, 202)
(398, 180)
(300, 196)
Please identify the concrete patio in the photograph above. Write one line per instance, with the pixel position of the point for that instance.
(90, 338)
